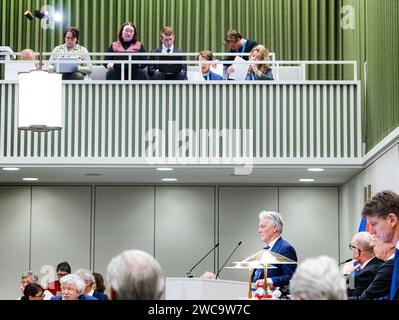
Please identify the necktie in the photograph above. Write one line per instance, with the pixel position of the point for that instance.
(395, 276)
(168, 51)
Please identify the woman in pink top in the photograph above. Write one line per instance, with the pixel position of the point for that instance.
(127, 43)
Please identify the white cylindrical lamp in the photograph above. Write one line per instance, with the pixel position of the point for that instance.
(39, 101)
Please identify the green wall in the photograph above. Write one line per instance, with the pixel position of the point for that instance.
(305, 29)
(375, 39)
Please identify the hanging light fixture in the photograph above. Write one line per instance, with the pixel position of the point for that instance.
(39, 92)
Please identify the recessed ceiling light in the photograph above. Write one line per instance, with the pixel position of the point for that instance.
(306, 180)
(30, 179)
(165, 169)
(315, 169)
(10, 169)
(169, 179)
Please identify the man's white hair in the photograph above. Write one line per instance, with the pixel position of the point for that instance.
(86, 275)
(274, 217)
(318, 278)
(74, 280)
(136, 275)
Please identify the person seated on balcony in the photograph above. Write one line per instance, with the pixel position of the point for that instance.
(237, 44)
(70, 50)
(167, 71)
(206, 68)
(259, 71)
(128, 42)
(27, 55)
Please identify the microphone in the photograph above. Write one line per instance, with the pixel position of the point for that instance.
(228, 258)
(347, 260)
(189, 274)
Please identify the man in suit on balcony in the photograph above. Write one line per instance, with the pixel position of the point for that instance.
(167, 71)
(270, 229)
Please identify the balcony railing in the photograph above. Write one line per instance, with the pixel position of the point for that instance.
(131, 122)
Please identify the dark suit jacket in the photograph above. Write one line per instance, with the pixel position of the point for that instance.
(168, 68)
(250, 44)
(280, 276)
(81, 297)
(99, 295)
(381, 284)
(364, 278)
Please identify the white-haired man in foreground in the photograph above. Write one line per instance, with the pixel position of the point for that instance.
(318, 278)
(135, 275)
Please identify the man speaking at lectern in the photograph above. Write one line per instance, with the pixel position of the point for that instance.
(270, 229)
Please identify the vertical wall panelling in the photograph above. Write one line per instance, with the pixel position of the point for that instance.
(311, 220)
(61, 217)
(124, 220)
(184, 229)
(14, 238)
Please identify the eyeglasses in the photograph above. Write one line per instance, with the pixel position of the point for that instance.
(352, 247)
(69, 38)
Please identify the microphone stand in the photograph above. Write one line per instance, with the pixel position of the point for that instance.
(228, 259)
(189, 274)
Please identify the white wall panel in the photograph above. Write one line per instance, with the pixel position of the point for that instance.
(61, 226)
(184, 227)
(14, 238)
(124, 220)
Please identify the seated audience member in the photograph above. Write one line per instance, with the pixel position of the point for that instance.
(206, 68)
(167, 71)
(63, 269)
(71, 49)
(90, 283)
(318, 279)
(27, 278)
(99, 282)
(382, 213)
(135, 275)
(27, 55)
(363, 253)
(128, 42)
(72, 287)
(6, 53)
(237, 44)
(259, 71)
(380, 287)
(33, 291)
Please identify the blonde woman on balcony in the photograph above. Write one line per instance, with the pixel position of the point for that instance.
(259, 71)
(69, 51)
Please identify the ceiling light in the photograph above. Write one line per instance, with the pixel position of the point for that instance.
(306, 180)
(165, 169)
(169, 179)
(10, 169)
(315, 169)
(30, 179)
